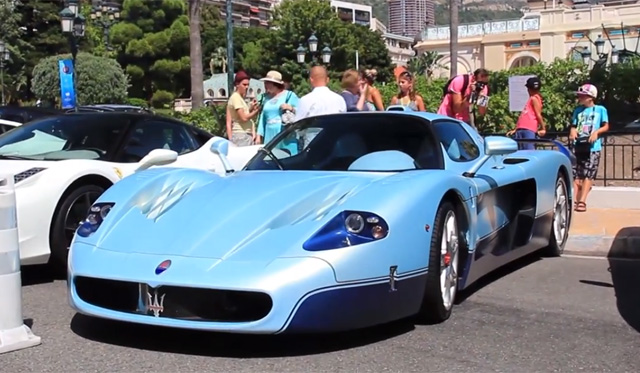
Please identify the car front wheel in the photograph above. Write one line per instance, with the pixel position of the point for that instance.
(444, 257)
(73, 209)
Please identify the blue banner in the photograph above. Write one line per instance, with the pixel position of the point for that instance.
(67, 91)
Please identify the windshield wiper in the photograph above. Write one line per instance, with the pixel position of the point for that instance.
(270, 154)
(15, 157)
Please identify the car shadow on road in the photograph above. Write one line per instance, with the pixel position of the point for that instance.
(213, 344)
(625, 274)
(37, 274)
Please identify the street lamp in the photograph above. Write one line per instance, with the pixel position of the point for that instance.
(73, 24)
(614, 55)
(599, 43)
(105, 14)
(325, 54)
(586, 55)
(4, 56)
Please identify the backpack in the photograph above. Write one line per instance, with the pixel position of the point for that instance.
(465, 85)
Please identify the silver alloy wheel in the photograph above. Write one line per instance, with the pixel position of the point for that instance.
(449, 256)
(560, 214)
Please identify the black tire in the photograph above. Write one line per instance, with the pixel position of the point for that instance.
(70, 209)
(433, 308)
(558, 238)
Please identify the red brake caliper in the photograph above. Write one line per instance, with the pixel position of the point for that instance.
(447, 259)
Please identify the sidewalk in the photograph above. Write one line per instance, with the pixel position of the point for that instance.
(606, 232)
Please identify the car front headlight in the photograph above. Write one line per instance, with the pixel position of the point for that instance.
(94, 219)
(348, 228)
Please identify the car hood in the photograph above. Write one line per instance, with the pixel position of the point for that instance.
(252, 215)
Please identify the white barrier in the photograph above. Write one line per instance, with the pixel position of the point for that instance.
(14, 335)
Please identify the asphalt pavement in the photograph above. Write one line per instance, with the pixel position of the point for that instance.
(538, 315)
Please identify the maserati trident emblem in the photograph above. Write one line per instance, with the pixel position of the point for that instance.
(155, 304)
(392, 278)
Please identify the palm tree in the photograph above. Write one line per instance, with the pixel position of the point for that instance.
(426, 63)
(218, 59)
(195, 54)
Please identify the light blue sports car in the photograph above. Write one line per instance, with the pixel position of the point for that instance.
(341, 222)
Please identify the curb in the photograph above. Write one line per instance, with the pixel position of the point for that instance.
(621, 246)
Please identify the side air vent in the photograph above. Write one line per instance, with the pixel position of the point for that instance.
(26, 174)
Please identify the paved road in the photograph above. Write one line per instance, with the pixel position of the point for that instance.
(564, 314)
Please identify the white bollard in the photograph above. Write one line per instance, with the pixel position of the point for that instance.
(14, 335)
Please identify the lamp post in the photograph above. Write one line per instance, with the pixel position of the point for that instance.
(73, 24)
(105, 14)
(325, 54)
(4, 56)
(602, 55)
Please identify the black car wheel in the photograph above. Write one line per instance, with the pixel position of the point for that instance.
(71, 212)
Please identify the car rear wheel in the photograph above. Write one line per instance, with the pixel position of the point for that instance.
(444, 258)
(561, 219)
(73, 209)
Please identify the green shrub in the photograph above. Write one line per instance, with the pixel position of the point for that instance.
(210, 119)
(162, 99)
(134, 101)
(617, 85)
(100, 80)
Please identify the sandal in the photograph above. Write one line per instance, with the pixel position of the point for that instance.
(581, 207)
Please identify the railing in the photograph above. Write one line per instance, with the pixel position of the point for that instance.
(619, 159)
(483, 28)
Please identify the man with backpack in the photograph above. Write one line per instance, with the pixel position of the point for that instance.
(463, 93)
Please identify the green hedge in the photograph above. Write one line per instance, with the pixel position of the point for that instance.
(618, 85)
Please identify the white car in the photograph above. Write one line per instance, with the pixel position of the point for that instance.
(61, 164)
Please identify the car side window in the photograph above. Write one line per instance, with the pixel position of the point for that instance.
(456, 141)
(150, 135)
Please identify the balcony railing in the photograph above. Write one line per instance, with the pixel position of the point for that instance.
(471, 30)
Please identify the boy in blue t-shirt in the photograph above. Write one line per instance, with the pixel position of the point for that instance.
(588, 123)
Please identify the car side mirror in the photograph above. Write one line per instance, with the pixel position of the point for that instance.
(157, 157)
(220, 147)
(499, 145)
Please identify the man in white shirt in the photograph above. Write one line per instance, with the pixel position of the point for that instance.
(321, 100)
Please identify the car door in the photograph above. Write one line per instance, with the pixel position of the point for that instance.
(496, 182)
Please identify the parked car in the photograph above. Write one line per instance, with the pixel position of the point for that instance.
(24, 114)
(61, 165)
(109, 108)
(374, 217)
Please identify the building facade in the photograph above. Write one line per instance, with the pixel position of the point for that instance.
(354, 13)
(410, 17)
(246, 13)
(548, 30)
(399, 48)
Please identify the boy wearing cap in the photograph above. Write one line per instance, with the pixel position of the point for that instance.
(588, 123)
(530, 124)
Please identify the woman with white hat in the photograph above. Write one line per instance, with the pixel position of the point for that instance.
(279, 107)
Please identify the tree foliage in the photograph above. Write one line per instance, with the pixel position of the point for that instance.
(100, 80)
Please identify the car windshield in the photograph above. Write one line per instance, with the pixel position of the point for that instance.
(62, 137)
(335, 142)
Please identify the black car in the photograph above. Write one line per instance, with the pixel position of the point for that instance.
(104, 108)
(24, 114)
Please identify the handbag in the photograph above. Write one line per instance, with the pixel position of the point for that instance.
(582, 146)
(287, 116)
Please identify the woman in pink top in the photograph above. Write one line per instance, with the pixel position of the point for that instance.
(530, 124)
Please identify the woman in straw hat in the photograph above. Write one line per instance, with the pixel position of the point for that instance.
(278, 109)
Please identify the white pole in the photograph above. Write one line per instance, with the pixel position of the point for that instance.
(357, 60)
(14, 335)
